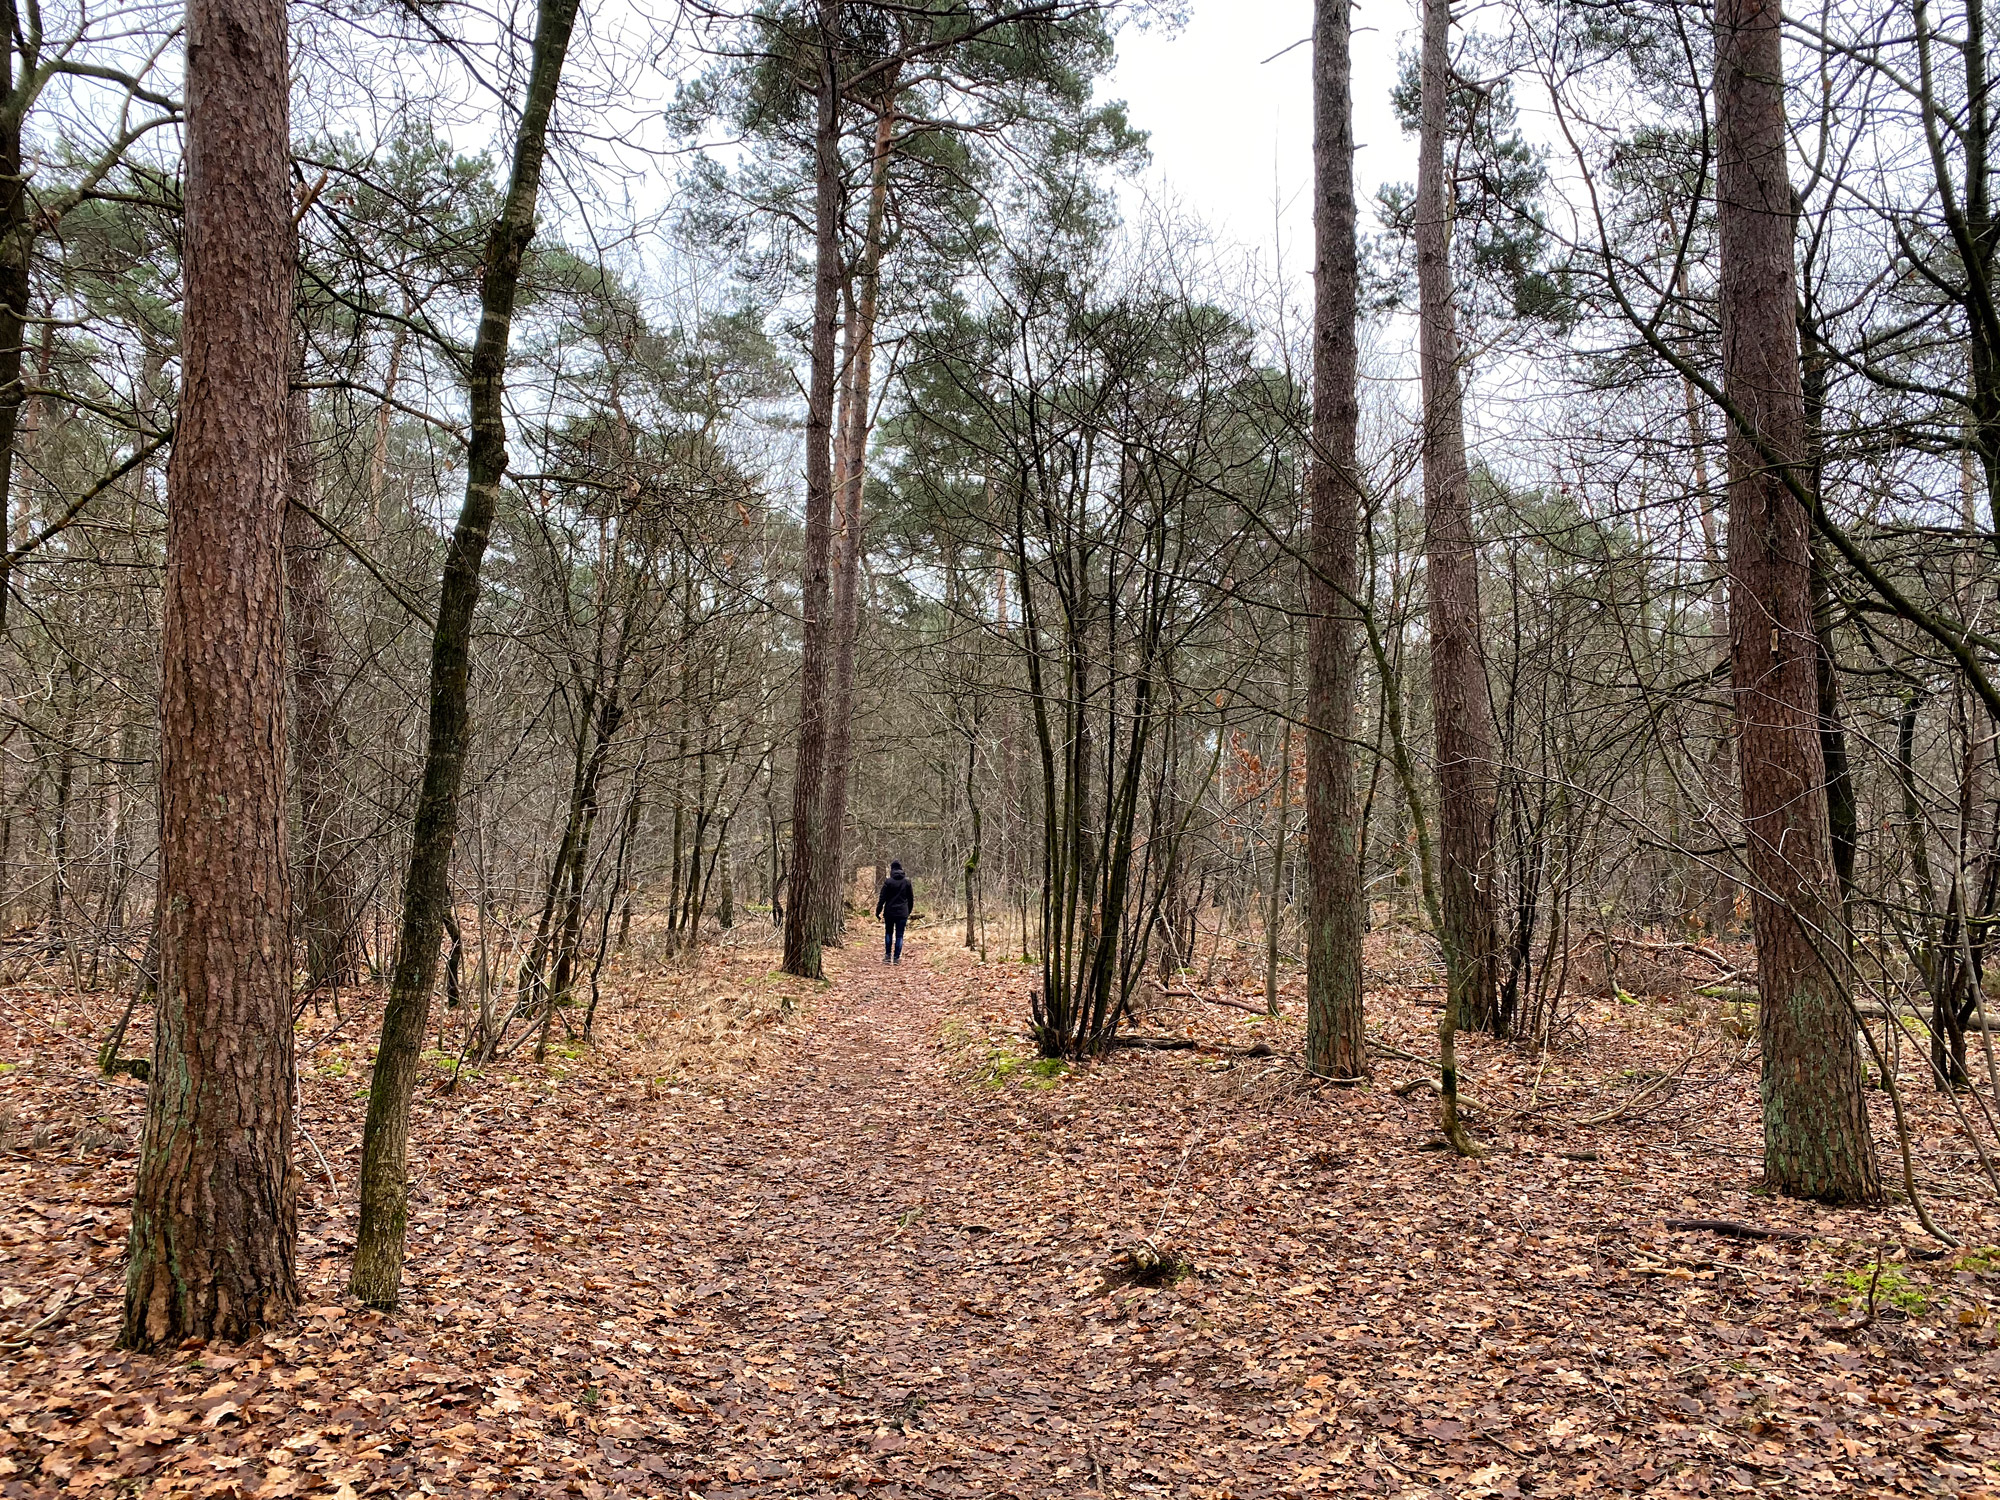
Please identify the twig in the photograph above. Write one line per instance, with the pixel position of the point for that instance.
(1645, 1093)
(1867, 1318)
(332, 1186)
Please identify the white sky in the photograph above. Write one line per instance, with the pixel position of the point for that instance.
(1231, 134)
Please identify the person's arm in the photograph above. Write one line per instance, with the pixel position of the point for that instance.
(880, 897)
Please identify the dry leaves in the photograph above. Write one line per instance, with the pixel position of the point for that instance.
(752, 1248)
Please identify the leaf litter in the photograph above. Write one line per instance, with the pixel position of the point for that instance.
(774, 1238)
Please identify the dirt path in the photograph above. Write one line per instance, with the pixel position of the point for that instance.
(862, 1269)
(907, 1301)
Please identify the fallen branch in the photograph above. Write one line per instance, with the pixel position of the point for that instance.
(1425, 1081)
(1195, 1044)
(1397, 1052)
(1729, 970)
(1653, 1091)
(1735, 1231)
(1729, 994)
(1255, 1010)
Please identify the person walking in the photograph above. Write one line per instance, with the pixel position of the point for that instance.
(894, 905)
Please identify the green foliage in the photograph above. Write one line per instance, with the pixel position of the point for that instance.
(1003, 115)
(1501, 244)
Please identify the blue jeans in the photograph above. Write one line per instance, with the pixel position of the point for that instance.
(893, 923)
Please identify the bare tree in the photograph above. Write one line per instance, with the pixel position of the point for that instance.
(379, 1239)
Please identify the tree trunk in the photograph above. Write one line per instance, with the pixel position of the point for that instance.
(327, 900)
(802, 938)
(385, 414)
(584, 808)
(1816, 1138)
(978, 830)
(378, 1251)
(1275, 905)
(1335, 1045)
(828, 892)
(17, 238)
(215, 1211)
(1721, 765)
(1462, 709)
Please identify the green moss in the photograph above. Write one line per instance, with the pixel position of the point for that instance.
(1003, 1066)
(1893, 1288)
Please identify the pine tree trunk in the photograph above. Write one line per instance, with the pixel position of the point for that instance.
(1816, 1137)
(818, 628)
(1335, 1044)
(379, 1239)
(215, 1211)
(385, 414)
(1462, 708)
(17, 238)
(829, 892)
(327, 900)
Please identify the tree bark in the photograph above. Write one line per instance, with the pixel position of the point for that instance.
(1274, 908)
(802, 937)
(327, 900)
(17, 238)
(1335, 1043)
(1816, 1137)
(1462, 708)
(385, 413)
(215, 1212)
(829, 894)
(379, 1240)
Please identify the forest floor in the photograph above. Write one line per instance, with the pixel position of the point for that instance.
(773, 1239)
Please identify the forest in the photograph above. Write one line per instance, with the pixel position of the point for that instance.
(1430, 784)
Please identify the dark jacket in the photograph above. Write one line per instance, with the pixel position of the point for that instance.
(898, 898)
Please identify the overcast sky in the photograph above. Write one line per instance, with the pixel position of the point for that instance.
(1232, 133)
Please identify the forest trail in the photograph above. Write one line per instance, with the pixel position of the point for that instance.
(882, 1258)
